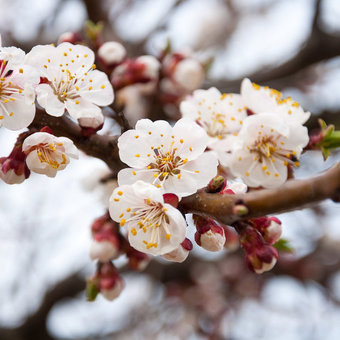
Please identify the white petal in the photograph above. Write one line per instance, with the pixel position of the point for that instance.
(49, 101)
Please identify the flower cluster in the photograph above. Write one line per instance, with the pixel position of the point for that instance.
(257, 134)
(167, 163)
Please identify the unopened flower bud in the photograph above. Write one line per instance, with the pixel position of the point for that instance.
(234, 188)
(137, 260)
(232, 242)
(260, 256)
(13, 169)
(209, 235)
(269, 227)
(262, 260)
(189, 74)
(103, 250)
(106, 244)
(111, 53)
(90, 125)
(144, 69)
(151, 66)
(71, 37)
(110, 283)
(181, 253)
(216, 184)
(240, 210)
(106, 280)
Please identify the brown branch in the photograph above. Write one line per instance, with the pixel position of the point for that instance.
(318, 46)
(35, 327)
(295, 194)
(102, 147)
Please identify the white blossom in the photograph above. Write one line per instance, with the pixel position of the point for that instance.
(47, 154)
(220, 115)
(17, 108)
(10, 177)
(266, 145)
(171, 158)
(261, 99)
(112, 52)
(70, 81)
(153, 226)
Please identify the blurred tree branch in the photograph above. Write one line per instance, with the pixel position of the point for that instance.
(35, 327)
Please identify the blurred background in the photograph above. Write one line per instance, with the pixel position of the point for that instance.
(291, 45)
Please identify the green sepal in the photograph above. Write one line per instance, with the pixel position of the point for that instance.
(91, 290)
(283, 245)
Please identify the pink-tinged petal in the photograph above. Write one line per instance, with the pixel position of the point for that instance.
(49, 101)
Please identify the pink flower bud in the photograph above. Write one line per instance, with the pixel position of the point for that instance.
(181, 253)
(260, 256)
(217, 184)
(232, 242)
(209, 235)
(71, 37)
(13, 169)
(90, 125)
(262, 260)
(104, 251)
(137, 260)
(269, 227)
(111, 53)
(189, 74)
(143, 69)
(106, 245)
(110, 284)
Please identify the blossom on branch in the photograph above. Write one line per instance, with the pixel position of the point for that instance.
(259, 99)
(265, 147)
(153, 226)
(171, 158)
(70, 81)
(47, 154)
(17, 83)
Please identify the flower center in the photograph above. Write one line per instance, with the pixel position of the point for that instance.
(66, 87)
(151, 215)
(166, 163)
(50, 155)
(216, 126)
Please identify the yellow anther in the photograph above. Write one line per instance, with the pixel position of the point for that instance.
(120, 193)
(122, 222)
(133, 232)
